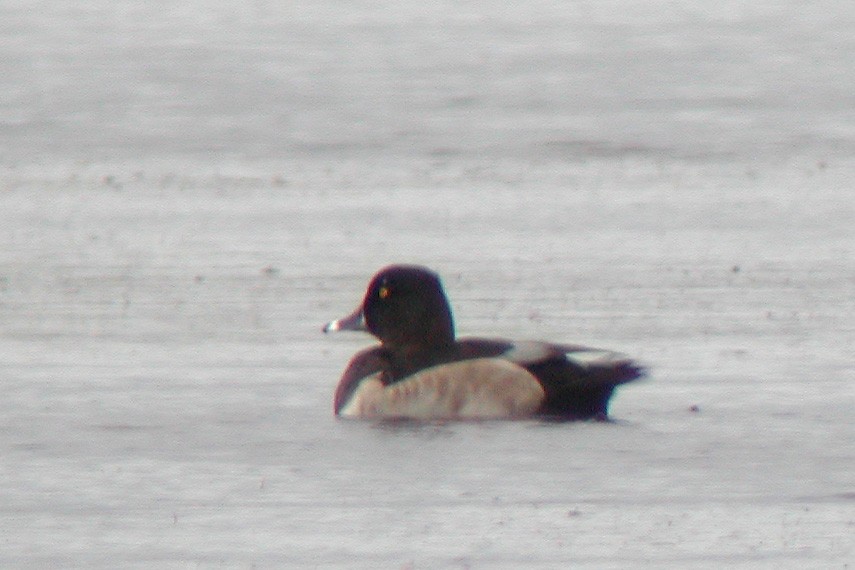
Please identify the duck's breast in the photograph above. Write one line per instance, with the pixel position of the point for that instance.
(480, 388)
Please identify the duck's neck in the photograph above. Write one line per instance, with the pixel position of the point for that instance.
(406, 359)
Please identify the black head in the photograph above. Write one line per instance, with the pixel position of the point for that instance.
(406, 306)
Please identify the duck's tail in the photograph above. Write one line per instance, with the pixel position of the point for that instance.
(581, 386)
(616, 372)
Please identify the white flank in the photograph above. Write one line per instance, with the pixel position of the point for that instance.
(471, 389)
(596, 358)
(528, 351)
(363, 401)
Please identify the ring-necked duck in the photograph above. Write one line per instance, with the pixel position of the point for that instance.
(420, 371)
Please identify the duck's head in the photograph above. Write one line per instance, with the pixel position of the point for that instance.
(404, 306)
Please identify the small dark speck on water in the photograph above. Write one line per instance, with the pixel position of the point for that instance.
(111, 182)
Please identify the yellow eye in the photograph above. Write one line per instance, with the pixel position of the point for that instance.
(384, 292)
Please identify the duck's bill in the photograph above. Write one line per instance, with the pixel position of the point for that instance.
(352, 322)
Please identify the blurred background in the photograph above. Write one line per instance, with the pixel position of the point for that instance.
(274, 80)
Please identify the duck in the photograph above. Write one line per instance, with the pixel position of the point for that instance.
(421, 371)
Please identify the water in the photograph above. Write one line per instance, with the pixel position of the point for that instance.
(188, 194)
